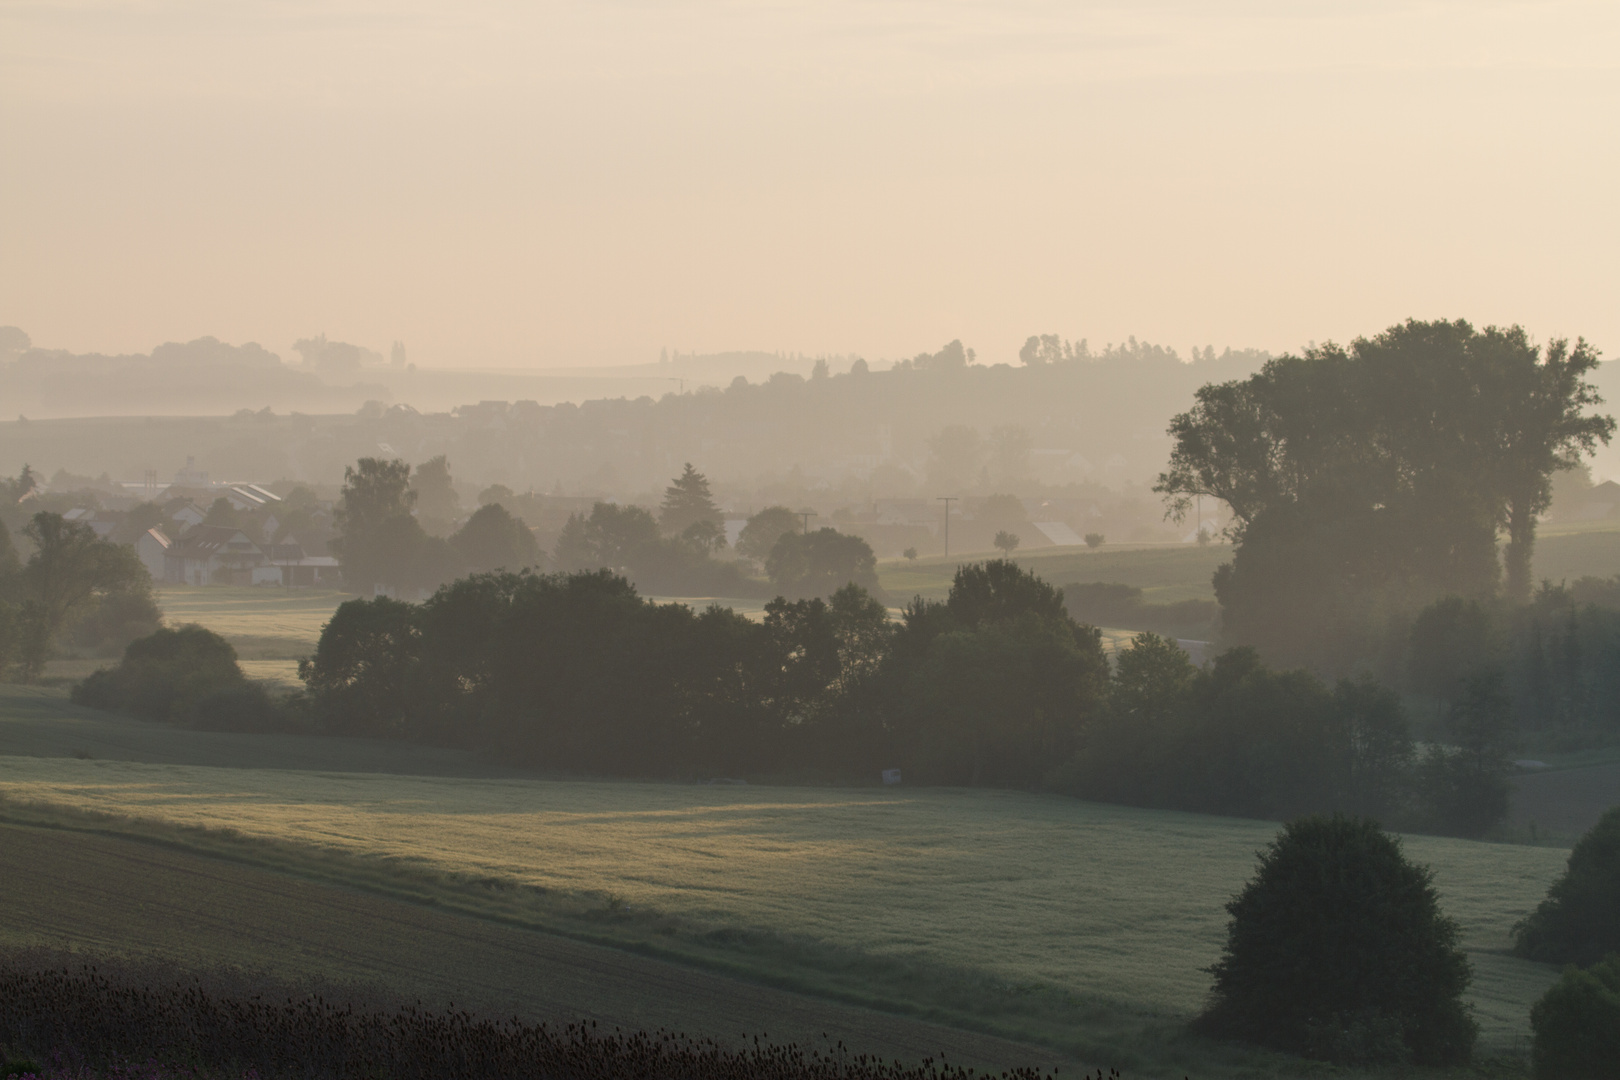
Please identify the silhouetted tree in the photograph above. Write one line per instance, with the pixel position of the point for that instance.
(437, 504)
(492, 539)
(820, 563)
(1337, 950)
(764, 529)
(687, 502)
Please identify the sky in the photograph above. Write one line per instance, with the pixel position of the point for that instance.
(561, 184)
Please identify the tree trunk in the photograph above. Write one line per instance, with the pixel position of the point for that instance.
(1521, 541)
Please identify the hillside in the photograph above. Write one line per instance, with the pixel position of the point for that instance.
(1079, 925)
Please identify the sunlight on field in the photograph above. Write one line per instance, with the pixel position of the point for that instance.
(263, 623)
(1030, 888)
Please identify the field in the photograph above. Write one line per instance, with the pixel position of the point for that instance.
(1081, 926)
(1167, 573)
(270, 628)
(106, 894)
(1164, 572)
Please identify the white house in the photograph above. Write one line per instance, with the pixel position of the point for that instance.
(153, 547)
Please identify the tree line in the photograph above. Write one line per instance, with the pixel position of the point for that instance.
(996, 685)
(384, 542)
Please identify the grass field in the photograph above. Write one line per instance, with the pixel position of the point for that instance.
(103, 894)
(1028, 915)
(1170, 572)
(1164, 572)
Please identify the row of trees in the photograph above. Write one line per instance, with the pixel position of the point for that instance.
(384, 540)
(996, 685)
(1368, 481)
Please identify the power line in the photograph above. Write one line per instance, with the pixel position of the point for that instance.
(947, 500)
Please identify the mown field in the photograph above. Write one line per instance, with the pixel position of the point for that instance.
(1078, 925)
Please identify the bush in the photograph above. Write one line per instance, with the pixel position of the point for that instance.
(1337, 950)
(1577, 1025)
(186, 676)
(1579, 922)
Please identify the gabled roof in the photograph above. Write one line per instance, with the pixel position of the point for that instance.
(157, 534)
(202, 541)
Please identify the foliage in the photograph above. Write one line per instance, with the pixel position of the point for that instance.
(820, 563)
(1577, 1025)
(1365, 482)
(1095, 539)
(436, 500)
(492, 539)
(379, 541)
(76, 589)
(1337, 949)
(688, 504)
(361, 676)
(764, 529)
(1579, 921)
(1239, 738)
(80, 1018)
(994, 685)
(1006, 542)
(1112, 604)
(71, 568)
(626, 540)
(186, 676)
(1464, 785)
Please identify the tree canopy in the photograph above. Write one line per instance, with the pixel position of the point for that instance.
(1373, 479)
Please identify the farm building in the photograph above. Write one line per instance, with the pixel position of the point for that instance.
(212, 554)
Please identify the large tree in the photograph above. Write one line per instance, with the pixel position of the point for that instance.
(437, 504)
(379, 541)
(1369, 480)
(689, 509)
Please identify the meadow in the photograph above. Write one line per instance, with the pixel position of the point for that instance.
(1025, 915)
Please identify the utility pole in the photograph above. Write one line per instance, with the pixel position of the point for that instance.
(947, 500)
(807, 515)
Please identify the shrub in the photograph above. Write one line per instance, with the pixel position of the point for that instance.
(187, 676)
(1577, 1025)
(1579, 922)
(1338, 950)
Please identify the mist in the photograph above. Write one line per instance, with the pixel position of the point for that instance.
(565, 185)
(830, 541)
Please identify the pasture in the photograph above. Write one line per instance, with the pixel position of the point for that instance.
(1080, 925)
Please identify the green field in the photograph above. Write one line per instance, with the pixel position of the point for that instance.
(1021, 914)
(104, 893)
(1164, 572)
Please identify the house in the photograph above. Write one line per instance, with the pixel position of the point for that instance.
(153, 548)
(184, 513)
(212, 555)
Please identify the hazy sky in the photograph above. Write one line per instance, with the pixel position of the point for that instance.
(540, 183)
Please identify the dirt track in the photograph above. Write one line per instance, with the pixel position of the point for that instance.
(99, 893)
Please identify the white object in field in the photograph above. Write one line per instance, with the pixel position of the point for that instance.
(891, 776)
